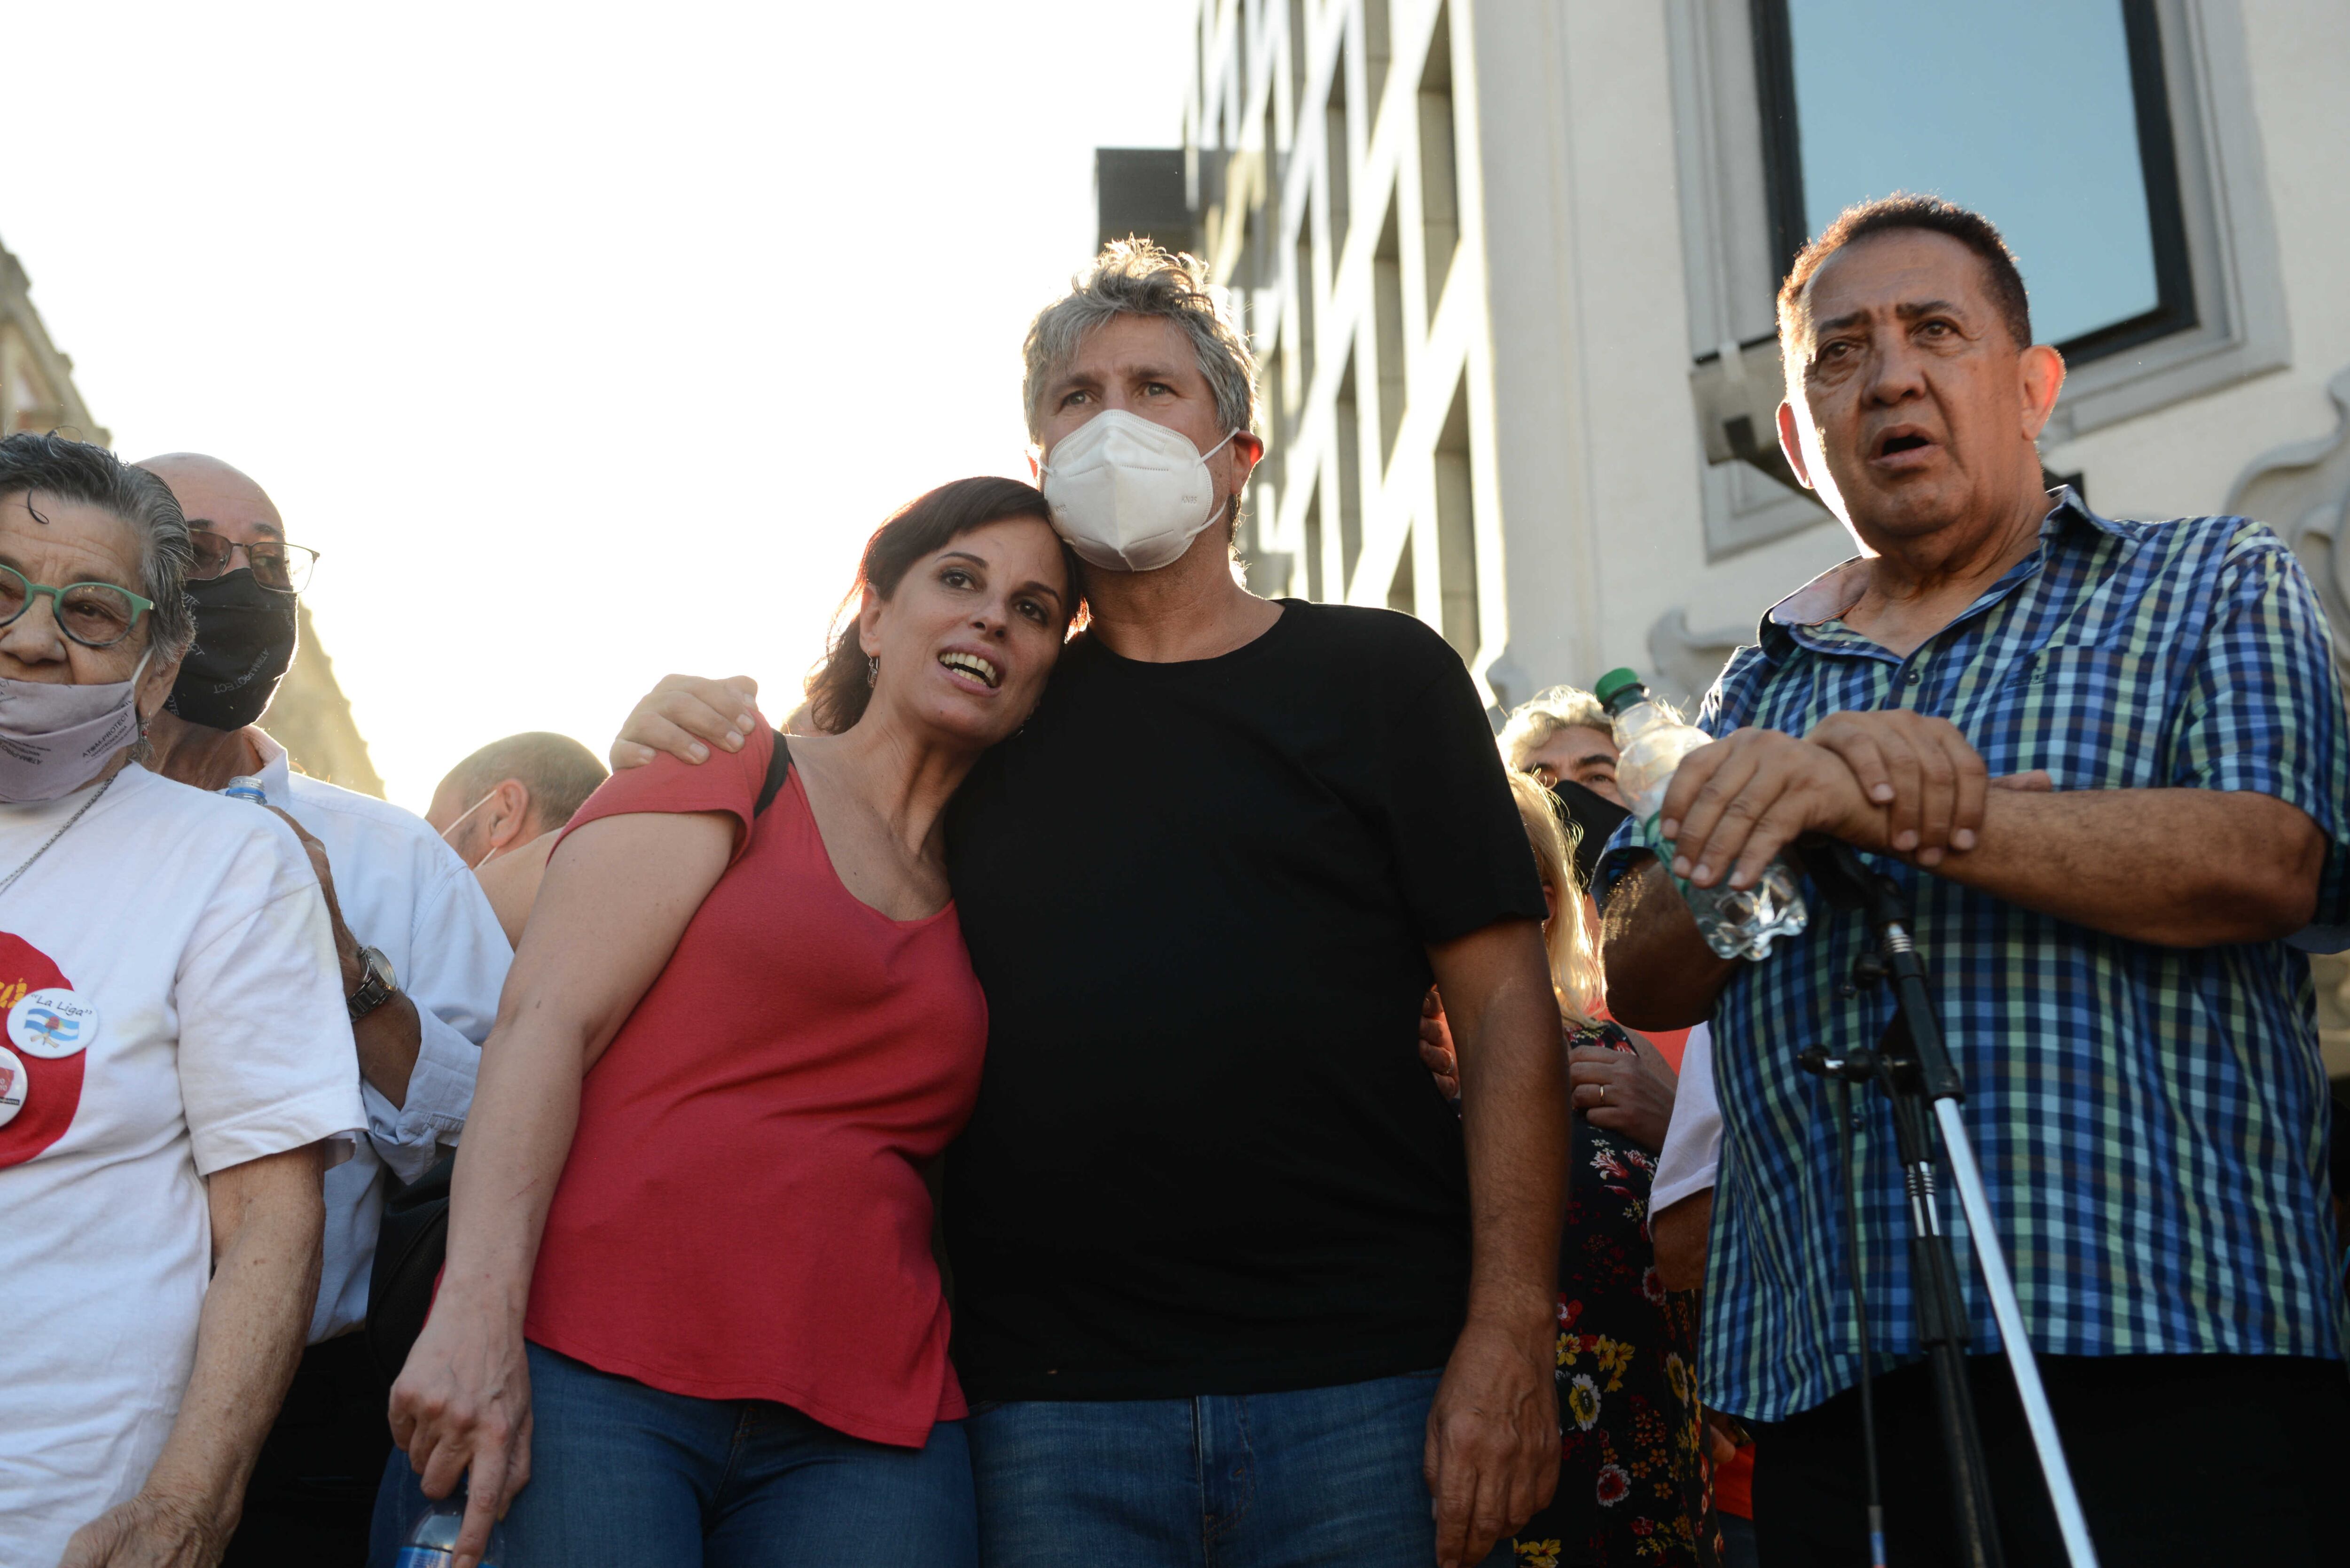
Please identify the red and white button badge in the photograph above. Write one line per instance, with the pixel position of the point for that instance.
(50, 1028)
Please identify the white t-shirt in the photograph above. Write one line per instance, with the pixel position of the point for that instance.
(173, 1008)
(1686, 1165)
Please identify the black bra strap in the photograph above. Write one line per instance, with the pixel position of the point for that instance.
(778, 765)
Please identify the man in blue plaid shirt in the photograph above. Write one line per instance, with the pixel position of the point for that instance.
(2106, 760)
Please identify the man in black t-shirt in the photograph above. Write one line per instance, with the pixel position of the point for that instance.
(1231, 1274)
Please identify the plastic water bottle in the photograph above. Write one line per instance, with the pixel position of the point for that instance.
(433, 1543)
(246, 787)
(1651, 740)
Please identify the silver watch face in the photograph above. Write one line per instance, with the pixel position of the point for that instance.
(378, 969)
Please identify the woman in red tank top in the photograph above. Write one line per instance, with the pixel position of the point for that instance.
(689, 1297)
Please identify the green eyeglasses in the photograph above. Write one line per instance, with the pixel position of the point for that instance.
(95, 614)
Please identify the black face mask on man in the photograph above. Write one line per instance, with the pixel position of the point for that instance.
(244, 643)
(1595, 816)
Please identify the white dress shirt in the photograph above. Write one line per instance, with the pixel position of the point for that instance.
(403, 890)
(1687, 1165)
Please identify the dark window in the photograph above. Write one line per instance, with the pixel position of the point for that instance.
(2049, 117)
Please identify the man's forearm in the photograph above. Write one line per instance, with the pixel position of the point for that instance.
(2177, 868)
(271, 1217)
(1660, 973)
(1513, 1109)
(388, 1039)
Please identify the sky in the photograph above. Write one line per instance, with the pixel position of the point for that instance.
(587, 342)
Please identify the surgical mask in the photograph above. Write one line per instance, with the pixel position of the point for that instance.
(1127, 494)
(462, 815)
(56, 738)
(244, 642)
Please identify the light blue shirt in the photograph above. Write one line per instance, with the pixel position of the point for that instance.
(403, 890)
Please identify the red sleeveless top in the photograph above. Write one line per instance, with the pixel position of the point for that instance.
(743, 1215)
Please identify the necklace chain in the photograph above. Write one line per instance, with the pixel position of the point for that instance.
(60, 833)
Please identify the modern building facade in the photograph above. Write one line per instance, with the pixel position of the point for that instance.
(1510, 267)
(310, 717)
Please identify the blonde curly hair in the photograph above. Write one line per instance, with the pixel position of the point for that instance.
(1575, 974)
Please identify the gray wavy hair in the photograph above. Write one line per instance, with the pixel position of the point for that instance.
(1135, 277)
(76, 471)
(1533, 722)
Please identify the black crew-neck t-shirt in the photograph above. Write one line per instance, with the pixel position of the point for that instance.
(1206, 1158)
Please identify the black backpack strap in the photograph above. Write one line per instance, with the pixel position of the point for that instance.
(779, 763)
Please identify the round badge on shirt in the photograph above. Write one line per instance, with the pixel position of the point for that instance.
(51, 1023)
(14, 1085)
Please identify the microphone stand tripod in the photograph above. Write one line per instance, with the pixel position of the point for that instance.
(1913, 1066)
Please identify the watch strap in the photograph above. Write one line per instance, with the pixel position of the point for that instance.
(375, 988)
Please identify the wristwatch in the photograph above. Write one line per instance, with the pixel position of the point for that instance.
(376, 983)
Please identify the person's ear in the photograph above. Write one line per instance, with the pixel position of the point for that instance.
(154, 689)
(2039, 369)
(1035, 463)
(869, 622)
(1248, 451)
(1791, 443)
(508, 812)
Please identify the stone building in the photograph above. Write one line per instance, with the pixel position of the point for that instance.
(310, 716)
(1509, 266)
(36, 389)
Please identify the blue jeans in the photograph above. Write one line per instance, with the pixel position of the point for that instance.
(624, 1476)
(1321, 1476)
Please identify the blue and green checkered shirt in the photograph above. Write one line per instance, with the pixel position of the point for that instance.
(2152, 1121)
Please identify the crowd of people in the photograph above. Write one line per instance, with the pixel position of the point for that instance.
(1132, 1073)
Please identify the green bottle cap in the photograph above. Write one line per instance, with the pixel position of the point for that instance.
(1616, 683)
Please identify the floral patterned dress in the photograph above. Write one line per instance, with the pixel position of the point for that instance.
(1632, 1484)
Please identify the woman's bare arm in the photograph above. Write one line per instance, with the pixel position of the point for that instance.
(609, 914)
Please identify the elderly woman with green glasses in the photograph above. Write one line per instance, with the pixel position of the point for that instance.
(175, 1057)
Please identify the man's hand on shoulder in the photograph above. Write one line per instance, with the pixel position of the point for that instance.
(1436, 1052)
(685, 715)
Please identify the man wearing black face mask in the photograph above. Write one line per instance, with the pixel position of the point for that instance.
(423, 960)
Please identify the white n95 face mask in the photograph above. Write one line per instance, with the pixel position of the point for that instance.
(1127, 494)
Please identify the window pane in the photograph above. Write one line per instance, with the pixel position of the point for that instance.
(2022, 110)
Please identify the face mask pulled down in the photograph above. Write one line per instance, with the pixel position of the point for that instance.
(54, 738)
(1127, 494)
(244, 644)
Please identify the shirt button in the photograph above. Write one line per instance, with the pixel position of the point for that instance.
(1915, 676)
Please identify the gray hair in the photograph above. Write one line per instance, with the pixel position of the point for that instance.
(89, 476)
(1533, 722)
(1135, 277)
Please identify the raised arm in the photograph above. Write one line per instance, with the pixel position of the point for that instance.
(1492, 1432)
(616, 901)
(267, 1219)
